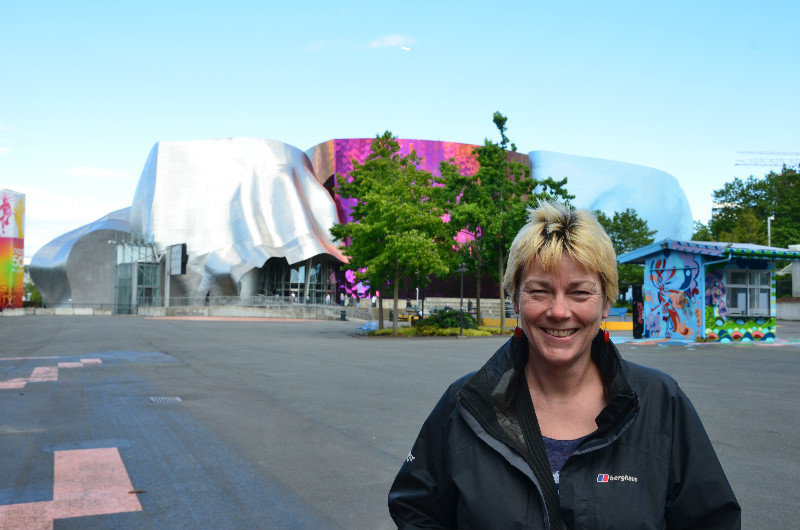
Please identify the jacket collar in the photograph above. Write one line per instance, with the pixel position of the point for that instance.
(491, 392)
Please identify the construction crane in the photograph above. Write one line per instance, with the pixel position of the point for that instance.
(768, 158)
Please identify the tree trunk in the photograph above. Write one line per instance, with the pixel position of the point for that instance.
(502, 293)
(396, 296)
(380, 312)
(478, 293)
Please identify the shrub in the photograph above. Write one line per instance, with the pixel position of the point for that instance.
(431, 331)
(401, 332)
(449, 318)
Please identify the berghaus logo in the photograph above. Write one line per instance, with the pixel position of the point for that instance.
(603, 477)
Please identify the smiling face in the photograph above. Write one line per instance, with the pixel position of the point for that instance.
(560, 311)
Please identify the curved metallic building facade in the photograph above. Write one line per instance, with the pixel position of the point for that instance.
(255, 216)
(611, 186)
(79, 267)
(236, 203)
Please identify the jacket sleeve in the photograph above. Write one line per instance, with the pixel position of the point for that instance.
(423, 495)
(699, 495)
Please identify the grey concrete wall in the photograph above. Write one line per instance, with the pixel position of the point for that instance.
(795, 274)
(788, 310)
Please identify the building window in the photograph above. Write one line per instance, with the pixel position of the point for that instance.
(747, 292)
(280, 280)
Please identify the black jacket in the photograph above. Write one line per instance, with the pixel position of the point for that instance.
(650, 463)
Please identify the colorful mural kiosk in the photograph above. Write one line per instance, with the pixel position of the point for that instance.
(696, 290)
(12, 222)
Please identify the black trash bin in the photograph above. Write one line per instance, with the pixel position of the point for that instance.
(343, 315)
(638, 307)
(391, 315)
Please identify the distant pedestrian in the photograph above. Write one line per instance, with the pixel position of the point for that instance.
(328, 299)
(374, 300)
(208, 297)
(341, 299)
(292, 297)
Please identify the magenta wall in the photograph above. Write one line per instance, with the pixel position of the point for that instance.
(431, 153)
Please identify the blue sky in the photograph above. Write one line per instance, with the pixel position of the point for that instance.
(87, 88)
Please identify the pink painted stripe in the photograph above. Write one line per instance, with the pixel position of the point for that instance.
(44, 373)
(91, 361)
(85, 482)
(13, 383)
(91, 482)
(27, 516)
(70, 365)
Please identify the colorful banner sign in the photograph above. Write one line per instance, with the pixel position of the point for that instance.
(12, 223)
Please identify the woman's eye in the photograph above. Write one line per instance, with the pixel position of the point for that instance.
(538, 293)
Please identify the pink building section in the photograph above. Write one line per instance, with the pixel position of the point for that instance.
(431, 153)
(333, 160)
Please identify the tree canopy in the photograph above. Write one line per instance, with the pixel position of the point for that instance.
(397, 229)
(627, 232)
(745, 205)
(491, 205)
(702, 232)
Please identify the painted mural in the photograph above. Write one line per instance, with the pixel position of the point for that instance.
(722, 327)
(672, 301)
(12, 222)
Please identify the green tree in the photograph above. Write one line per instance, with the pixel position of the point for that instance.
(627, 232)
(397, 230)
(702, 232)
(746, 229)
(31, 293)
(776, 194)
(492, 205)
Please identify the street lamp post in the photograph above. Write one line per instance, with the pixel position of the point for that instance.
(461, 270)
(769, 230)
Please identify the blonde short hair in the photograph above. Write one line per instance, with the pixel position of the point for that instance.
(554, 228)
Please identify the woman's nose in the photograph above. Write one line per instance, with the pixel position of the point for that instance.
(559, 308)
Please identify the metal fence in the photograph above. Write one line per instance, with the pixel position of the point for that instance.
(290, 308)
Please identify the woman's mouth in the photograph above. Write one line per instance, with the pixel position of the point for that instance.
(560, 332)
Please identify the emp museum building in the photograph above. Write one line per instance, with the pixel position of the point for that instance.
(251, 218)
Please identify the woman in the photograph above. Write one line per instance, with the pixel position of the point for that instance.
(557, 430)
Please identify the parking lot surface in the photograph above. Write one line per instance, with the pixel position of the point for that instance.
(127, 422)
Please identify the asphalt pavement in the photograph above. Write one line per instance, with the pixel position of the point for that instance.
(126, 422)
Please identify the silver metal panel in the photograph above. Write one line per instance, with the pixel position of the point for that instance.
(78, 267)
(236, 203)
